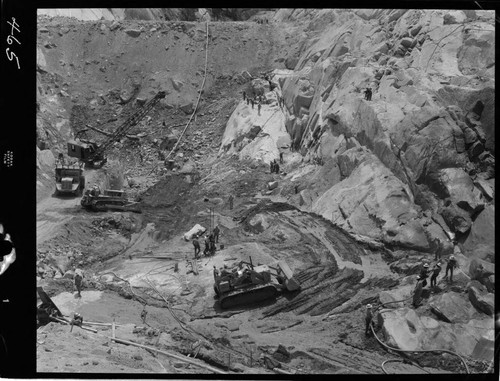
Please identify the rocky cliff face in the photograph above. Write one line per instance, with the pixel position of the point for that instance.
(422, 149)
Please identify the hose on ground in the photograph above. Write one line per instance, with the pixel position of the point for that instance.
(195, 107)
(413, 350)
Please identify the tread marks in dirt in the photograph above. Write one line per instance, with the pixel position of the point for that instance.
(323, 288)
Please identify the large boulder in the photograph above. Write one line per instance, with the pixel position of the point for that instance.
(405, 329)
(456, 218)
(394, 298)
(481, 240)
(452, 307)
(481, 271)
(480, 298)
(461, 189)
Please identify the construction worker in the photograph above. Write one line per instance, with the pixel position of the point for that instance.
(211, 239)
(368, 319)
(424, 274)
(248, 101)
(78, 281)
(276, 167)
(417, 293)
(196, 245)
(216, 233)
(252, 102)
(144, 314)
(281, 157)
(258, 108)
(244, 95)
(452, 264)
(216, 273)
(368, 94)
(435, 272)
(272, 166)
(225, 271)
(231, 202)
(207, 246)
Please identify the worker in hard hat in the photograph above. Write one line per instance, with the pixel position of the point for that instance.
(424, 274)
(435, 272)
(452, 264)
(216, 273)
(417, 293)
(368, 318)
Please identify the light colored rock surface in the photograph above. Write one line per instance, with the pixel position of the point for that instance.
(405, 329)
(481, 240)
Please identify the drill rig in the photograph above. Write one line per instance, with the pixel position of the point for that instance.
(248, 284)
(92, 154)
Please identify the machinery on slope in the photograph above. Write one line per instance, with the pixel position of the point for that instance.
(247, 284)
(92, 154)
(69, 179)
(96, 201)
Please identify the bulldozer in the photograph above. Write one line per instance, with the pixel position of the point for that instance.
(69, 179)
(109, 199)
(247, 284)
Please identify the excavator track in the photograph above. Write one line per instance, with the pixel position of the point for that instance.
(248, 296)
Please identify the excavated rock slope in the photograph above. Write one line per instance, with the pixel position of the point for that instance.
(363, 182)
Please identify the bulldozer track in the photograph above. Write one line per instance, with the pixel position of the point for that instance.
(249, 296)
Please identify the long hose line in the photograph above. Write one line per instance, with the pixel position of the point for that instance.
(195, 107)
(412, 350)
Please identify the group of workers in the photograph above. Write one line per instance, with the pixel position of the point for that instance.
(210, 241)
(275, 167)
(425, 272)
(421, 283)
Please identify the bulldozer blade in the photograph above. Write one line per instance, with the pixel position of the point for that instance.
(290, 282)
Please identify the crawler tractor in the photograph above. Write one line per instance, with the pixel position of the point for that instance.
(96, 201)
(248, 284)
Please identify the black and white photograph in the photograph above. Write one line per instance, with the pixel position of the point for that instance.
(263, 191)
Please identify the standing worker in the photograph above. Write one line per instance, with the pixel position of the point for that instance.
(216, 273)
(272, 166)
(211, 239)
(244, 96)
(258, 108)
(216, 233)
(281, 157)
(144, 313)
(252, 102)
(368, 94)
(417, 293)
(435, 272)
(424, 274)
(196, 245)
(207, 246)
(276, 167)
(368, 319)
(78, 281)
(452, 264)
(231, 202)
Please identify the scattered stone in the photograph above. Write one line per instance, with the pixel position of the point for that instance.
(272, 185)
(137, 357)
(177, 84)
(187, 108)
(481, 299)
(407, 42)
(133, 32)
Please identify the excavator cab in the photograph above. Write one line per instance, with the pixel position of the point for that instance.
(84, 150)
